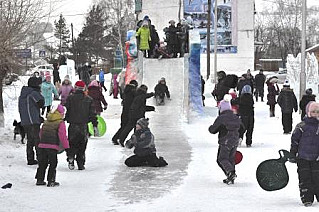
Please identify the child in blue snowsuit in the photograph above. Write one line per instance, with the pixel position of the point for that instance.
(305, 151)
(228, 125)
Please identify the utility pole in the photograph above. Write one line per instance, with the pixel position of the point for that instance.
(209, 12)
(74, 51)
(303, 50)
(215, 42)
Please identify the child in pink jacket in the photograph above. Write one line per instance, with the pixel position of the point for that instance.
(52, 138)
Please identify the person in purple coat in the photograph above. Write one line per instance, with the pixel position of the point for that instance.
(66, 89)
(305, 151)
(95, 92)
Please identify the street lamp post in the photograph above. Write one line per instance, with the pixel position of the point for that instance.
(303, 50)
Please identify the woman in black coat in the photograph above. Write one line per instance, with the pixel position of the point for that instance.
(137, 111)
(305, 100)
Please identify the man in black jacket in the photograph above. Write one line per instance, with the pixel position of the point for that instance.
(288, 102)
(260, 82)
(137, 111)
(80, 111)
(30, 102)
(128, 97)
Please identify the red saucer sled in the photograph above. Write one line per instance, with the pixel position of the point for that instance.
(238, 157)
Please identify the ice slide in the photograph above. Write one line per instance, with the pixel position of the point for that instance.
(134, 184)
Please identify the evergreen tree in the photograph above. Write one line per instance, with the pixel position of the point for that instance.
(92, 44)
(62, 33)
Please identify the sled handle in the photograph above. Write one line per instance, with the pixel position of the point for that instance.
(284, 154)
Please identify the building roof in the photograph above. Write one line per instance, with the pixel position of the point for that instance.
(314, 48)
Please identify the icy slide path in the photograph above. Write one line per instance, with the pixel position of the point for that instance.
(146, 183)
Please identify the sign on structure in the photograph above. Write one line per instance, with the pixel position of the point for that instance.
(23, 53)
(41, 53)
(138, 6)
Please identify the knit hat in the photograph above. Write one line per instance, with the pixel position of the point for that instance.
(34, 82)
(224, 105)
(79, 85)
(312, 106)
(143, 88)
(309, 91)
(286, 84)
(172, 22)
(246, 89)
(94, 83)
(134, 82)
(143, 122)
(228, 97)
(48, 77)
(58, 108)
(67, 77)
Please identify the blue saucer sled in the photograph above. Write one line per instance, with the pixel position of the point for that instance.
(101, 126)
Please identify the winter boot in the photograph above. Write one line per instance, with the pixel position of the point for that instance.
(306, 196)
(53, 184)
(71, 163)
(40, 183)
(231, 176)
(32, 162)
(81, 167)
(262, 99)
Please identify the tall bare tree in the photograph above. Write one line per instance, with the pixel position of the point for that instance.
(16, 20)
(120, 19)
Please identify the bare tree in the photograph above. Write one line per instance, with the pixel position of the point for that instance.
(16, 20)
(120, 19)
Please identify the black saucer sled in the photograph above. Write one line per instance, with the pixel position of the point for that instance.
(272, 174)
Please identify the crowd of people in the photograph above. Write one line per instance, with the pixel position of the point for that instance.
(47, 134)
(236, 116)
(176, 38)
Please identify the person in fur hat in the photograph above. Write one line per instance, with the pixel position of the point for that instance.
(66, 89)
(273, 91)
(227, 125)
(144, 151)
(288, 103)
(305, 151)
(306, 98)
(80, 111)
(52, 138)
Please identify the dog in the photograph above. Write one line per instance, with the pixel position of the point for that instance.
(18, 129)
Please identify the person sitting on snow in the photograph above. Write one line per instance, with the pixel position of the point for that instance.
(160, 90)
(145, 151)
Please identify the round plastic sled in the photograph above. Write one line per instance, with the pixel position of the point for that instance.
(101, 126)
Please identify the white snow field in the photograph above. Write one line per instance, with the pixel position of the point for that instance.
(191, 182)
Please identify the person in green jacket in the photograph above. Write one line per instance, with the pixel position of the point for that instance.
(144, 36)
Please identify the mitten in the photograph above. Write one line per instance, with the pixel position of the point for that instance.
(292, 158)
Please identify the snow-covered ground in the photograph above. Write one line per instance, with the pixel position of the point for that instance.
(191, 182)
